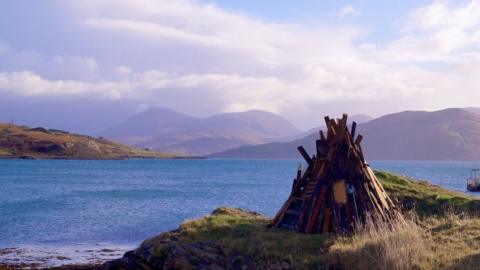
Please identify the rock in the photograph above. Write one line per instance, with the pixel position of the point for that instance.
(172, 255)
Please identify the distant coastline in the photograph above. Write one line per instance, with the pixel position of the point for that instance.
(21, 142)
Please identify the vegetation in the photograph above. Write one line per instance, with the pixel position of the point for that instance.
(24, 142)
(425, 198)
(439, 230)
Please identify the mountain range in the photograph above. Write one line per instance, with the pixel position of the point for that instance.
(169, 131)
(450, 134)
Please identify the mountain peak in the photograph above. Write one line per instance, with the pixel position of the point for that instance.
(166, 129)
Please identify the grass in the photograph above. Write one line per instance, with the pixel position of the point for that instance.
(441, 230)
(425, 198)
(246, 233)
(398, 244)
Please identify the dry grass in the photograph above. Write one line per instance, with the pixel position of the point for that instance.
(457, 241)
(399, 244)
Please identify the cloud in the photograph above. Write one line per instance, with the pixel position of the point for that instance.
(27, 83)
(201, 59)
(56, 66)
(348, 11)
(439, 31)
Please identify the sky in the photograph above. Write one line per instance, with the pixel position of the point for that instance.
(87, 65)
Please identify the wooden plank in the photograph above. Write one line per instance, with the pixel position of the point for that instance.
(362, 199)
(322, 148)
(322, 135)
(304, 154)
(373, 199)
(384, 193)
(281, 213)
(359, 139)
(326, 220)
(294, 184)
(316, 208)
(334, 125)
(327, 121)
(375, 185)
(340, 191)
(354, 128)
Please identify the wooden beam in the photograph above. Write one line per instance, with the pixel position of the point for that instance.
(359, 139)
(316, 208)
(304, 154)
(354, 128)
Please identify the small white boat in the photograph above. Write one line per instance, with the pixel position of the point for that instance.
(473, 182)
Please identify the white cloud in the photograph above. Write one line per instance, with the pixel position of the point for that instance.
(348, 11)
(440, 31)
(206, 57)
(27, 83)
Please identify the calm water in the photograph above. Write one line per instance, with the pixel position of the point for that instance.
(58, 202)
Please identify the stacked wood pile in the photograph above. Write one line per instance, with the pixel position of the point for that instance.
(337, 187)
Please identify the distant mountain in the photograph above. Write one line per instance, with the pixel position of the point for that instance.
(166, 130)
(33, 143)
(358, 118)
(451, 134)
(147, 125)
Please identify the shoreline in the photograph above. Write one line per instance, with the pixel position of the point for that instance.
(71, 256)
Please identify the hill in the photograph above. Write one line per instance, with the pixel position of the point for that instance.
(41, 143)
(166, 130)
(358, 118)
(451, 134)
(430, 237)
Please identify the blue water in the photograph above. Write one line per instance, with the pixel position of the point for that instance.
(49, 202)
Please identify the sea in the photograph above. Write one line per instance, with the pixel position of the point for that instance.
(55, 212)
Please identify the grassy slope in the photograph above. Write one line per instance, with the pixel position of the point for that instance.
(447, 241)
(425, 198)
(19, 141)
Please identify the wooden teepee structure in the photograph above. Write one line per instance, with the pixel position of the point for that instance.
(336, 188)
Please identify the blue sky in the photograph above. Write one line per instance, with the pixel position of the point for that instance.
(294, 58)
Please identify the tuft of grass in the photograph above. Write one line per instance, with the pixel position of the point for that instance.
(397, 244)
